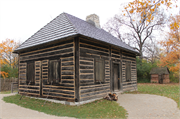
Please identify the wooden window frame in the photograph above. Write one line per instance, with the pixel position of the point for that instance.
(95, 69)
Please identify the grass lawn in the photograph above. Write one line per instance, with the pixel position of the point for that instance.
(168, 90)
(8, 92)
(5, 92)
(97, 109)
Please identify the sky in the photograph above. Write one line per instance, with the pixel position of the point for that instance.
(20, 19)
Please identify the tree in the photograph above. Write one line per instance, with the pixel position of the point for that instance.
(3, 74)
(137, 22)
(7, 58)
(153, 52)
(171, 54)
(143, 69)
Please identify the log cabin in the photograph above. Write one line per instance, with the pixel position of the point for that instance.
(160, 75)
(75, 60)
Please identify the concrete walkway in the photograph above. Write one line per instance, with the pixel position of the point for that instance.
(12, 111)
(146, 106)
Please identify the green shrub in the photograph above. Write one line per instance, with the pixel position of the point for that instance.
(143, 70)
(12, 71)
(174, 78)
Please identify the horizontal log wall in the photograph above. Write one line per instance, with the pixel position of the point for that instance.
(64, 51)
(65, 89)
(115, 55)
(132, 84)
(29, 90)
(89, 88)
(25, 88)
(22, 73)
(61, 49)
(86, 69)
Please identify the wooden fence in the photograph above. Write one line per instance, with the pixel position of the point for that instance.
(6, 83)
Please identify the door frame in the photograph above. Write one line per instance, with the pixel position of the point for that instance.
(119, 76)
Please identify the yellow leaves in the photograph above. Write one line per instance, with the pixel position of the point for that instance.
(174, 25)
(141, 3)
(131, 11)
(172, 46)
(4, 74)
(148, 5)
(152, 10)
(158, 4)
(6, 48)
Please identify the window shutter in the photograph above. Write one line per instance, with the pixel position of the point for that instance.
(45, 71)
(22, 72)
(100, 70)
(37, 72)
(128, 71)
(54, 71)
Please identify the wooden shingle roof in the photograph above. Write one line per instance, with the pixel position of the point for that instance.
(160, 70)
(66, 25)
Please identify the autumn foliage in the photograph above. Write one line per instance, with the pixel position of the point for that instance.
(3, 74)
(147, 7)
(171, 53)
(7, 58)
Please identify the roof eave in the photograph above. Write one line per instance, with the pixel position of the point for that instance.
(137, 53)
(20, 50)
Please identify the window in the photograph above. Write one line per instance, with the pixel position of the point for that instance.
(128, 71)
(54, 71)
(30, 73)
(99, 70)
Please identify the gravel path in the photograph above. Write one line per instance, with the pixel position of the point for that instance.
(146, 106)
(139, 106)
(12, 111)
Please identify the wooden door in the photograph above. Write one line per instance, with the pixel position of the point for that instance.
(116, 71)
(160, 76)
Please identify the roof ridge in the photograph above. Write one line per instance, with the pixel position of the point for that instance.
(65, 25)
(130, 47)
(65, 14)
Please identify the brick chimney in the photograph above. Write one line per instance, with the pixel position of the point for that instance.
(94, 20)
